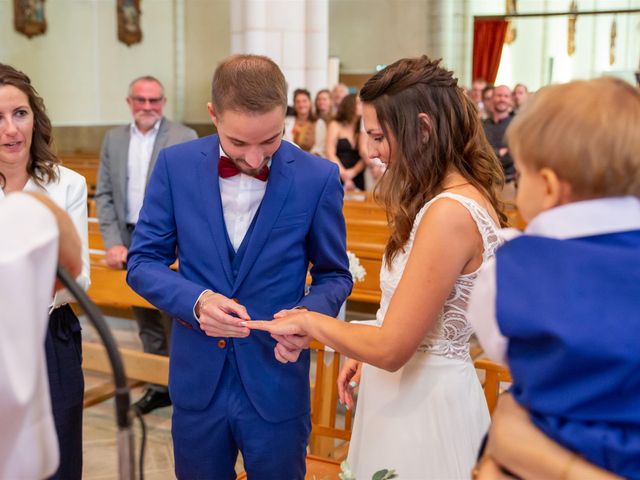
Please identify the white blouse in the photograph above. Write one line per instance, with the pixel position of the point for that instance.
(69, 192)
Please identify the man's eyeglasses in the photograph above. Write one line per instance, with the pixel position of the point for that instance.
(142, 100)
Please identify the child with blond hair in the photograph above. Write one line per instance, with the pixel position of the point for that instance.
(561, 303)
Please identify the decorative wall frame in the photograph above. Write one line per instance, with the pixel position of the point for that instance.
(29, 18)
(129, 31)
(512, 33)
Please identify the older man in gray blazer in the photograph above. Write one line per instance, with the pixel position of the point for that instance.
(127, 159)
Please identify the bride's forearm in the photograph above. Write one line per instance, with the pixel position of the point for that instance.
(370, 344)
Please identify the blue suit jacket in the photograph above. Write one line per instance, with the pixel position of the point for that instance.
(300, 221)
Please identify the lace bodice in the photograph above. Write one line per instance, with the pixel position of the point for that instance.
(450, 337)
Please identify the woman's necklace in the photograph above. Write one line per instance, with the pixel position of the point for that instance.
(455, 186)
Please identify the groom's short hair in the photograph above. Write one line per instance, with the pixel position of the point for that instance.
(248, 83)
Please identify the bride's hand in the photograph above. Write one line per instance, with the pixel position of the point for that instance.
(291, 342)
(348, 381)
(291, 324)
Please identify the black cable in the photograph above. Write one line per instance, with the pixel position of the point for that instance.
(143, 441)
(122, 397)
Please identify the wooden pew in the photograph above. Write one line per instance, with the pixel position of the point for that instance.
(139, 367)
(92, 209)
(109, 288)
(95, 237)
(86, 164)
(367, 235)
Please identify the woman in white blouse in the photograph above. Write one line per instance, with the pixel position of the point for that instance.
(28, 163)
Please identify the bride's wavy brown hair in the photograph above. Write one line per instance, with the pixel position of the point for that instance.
(455, 139)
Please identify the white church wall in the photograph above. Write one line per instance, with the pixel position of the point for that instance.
(82, 71)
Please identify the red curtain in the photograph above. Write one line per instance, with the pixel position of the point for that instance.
(488, 38)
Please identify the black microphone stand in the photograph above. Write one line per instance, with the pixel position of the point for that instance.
(126, 459)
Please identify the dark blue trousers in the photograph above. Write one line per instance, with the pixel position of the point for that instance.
(206, 442)
(63, 347)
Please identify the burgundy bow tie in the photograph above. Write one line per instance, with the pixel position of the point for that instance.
(226, 169)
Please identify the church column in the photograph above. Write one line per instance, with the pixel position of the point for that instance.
(293, 33)
(448, 38)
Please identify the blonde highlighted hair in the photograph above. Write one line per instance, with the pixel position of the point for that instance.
(587, 132)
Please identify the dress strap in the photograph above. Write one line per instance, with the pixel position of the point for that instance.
(486, 226)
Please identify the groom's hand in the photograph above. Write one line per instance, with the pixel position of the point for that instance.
(289, 347)
(220, 316)
(292, 342)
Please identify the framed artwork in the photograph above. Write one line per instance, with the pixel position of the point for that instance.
(129, 31)
(28, 17)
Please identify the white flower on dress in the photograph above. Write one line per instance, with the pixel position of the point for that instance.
(347, 474)
(355, 268)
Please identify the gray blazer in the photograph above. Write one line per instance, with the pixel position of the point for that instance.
(111, 192)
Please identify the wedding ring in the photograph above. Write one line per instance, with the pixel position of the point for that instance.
(353, 384)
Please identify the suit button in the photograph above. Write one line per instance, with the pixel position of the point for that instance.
(222, 343)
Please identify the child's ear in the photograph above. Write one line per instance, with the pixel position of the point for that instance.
(557, 191)
(425, 126)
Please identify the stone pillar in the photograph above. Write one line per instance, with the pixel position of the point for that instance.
(448, 35)
(294, 33)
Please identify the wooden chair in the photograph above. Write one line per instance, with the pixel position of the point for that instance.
(494, 375)
(514, 218)
(329, 437)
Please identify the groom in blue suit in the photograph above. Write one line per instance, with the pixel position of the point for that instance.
(245, 213)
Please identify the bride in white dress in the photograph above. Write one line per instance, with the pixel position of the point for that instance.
(421, 410)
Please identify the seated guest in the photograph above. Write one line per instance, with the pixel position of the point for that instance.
(520, 96)
(323, 105)
(487, 97)
(475, 93)
(496, 125)
(345, 146)
(561, 303)
(303, 128)
(28, 163)
(337, 95)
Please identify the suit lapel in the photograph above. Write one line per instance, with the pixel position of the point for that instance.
(161, 142)
(280, 181)
(123, 163)
(207, 166)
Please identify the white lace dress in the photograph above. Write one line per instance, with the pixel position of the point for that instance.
(426, 420)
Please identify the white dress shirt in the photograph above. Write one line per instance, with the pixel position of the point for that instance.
(140, 150)
(241, 196)
(573, 220)
(28, 255)
(70, 194)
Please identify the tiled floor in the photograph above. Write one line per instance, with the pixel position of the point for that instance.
(100, 429)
